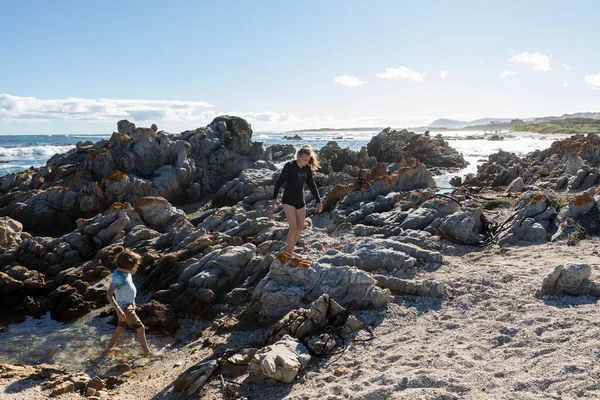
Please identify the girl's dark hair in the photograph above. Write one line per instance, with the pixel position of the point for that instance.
(126, 259)
(314, 160)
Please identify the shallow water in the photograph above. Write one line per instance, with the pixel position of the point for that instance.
(77, 346)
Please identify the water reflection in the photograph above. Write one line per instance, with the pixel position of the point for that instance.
(77, 346)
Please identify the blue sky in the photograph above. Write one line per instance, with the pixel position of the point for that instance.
(78, 66)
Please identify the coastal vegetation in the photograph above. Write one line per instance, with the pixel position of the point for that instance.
(561, 126)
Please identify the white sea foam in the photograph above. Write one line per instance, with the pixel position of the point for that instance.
(33, 151)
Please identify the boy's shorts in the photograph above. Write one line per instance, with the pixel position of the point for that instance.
(132, 321)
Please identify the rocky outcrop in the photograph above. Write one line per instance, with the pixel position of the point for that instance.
(288, 287)
(389, 145)
(281, 152)
(323, 312)
(569, 164)
(381, 254)
(133, 163)
(333, 158)
(532, 221)
(253, 186)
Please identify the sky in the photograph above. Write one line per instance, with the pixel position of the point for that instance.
(80, 66)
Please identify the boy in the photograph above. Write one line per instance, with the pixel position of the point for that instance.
(121, 295)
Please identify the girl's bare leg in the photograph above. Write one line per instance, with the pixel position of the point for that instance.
(290, 213)
(300, 217)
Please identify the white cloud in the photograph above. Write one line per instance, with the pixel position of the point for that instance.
(565, 67)
(566, 84)
(444, 74)
(506, 73)
(536, 61)
(349, 81)
(402, 73)
(593, 81)
(31, 108)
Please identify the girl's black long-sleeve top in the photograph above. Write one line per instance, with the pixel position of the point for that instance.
(294, 179)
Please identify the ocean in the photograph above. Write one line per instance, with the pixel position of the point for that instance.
(19, 152)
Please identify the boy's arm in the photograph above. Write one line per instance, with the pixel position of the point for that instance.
(111, 299)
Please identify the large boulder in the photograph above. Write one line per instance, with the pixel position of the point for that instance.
(281, 361)
(571, 279)
(158, 214)
(389, 145)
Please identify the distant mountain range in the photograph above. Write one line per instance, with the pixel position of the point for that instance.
(452, 123)
(455, 124)
(482, 123)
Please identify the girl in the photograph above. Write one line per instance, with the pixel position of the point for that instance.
(294, 175)
(121, 295)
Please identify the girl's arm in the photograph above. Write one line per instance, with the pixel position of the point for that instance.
(111, 299)
(282, 179)
(310, 181)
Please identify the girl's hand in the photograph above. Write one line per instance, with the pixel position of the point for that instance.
(275, 204)
(121, 316)
(319, 207)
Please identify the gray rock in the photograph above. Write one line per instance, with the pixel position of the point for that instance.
(281, 361)
(464, 225)
(125, 127)
(287, 287)
(10, 232)
(571, 279)
(516, 185)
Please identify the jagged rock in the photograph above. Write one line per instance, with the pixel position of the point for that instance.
(10, 232)
(12, 291)
(566, 164)
(517, 185)
(321, 344)
(531, 223)
(281, 361)
(237, 364)
(465, 226)
(157, 317)
(133, 163)
(389, 145)
(281, 152)
(252, 185)
(158, 214)
(567, 218)
(67, 304)
(335, 159)
(572, 279)
(286, 288)
(369, 256)
(299, 323)
(125, 127)
(407, 174)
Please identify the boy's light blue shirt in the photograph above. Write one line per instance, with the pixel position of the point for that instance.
(125, 289)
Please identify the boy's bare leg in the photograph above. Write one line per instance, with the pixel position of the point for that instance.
(141, 334)
(115, 336)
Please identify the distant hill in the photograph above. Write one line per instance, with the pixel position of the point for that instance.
(561, 125)
(447, 123)
(487, 121)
